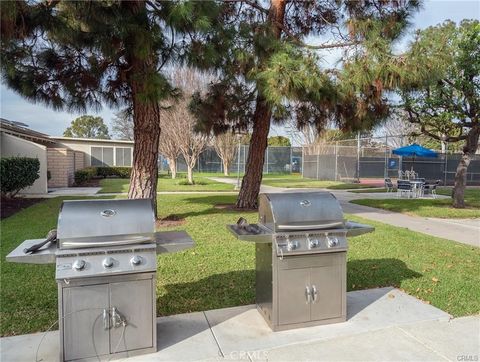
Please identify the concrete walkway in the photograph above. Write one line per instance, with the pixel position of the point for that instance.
(383, 324)
(466, 231)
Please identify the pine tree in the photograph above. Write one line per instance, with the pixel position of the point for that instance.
(442, 93)
(77, 55)
(268, 72)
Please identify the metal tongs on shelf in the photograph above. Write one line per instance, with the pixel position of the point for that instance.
(243, 224)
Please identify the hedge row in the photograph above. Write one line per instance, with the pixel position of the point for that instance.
(16, 173)
(86, 174)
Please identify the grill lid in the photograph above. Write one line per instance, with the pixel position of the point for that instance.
(101, 223)
(300, 211)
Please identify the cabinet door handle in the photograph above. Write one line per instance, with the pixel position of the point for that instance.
(106, 320)
(307, 294)
(314, 293)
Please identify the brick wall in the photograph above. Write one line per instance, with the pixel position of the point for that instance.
(79, 160)
(61, 164)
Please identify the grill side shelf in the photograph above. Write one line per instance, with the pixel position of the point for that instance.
(173, 241)
(44, 255)
(264, 235)
(355, 228)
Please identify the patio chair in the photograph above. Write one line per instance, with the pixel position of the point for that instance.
(389, 185)
(431, 188)
(404, 187)
(434, 188)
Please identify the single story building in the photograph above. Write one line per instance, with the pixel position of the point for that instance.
(60, 157)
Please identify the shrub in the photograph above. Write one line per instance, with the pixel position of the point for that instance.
(85, 175)
(16, 173)
(195, 182)
(122, 172)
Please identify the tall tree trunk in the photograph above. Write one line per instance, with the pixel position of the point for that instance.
(172, 164)
(146, 113)
(190, 175)
(146, 130)
(225, 167)
(471, 145)
(248, 195)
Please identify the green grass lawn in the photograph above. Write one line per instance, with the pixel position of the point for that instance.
(166, 183)
(429, 207)
(368, 191)
(219, 271)
(347, 186)
(299, 182)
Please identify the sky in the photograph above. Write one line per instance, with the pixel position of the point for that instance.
(43, 119)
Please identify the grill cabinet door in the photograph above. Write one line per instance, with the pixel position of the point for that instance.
(293, 306)
(328, 283)
(133, 300)
(85, 335)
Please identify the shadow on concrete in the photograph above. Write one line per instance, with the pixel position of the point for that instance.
(237, 288)
(376, 273)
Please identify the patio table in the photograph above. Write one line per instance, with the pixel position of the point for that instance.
(417, 188)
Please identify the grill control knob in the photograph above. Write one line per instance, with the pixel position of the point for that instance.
(313, 243)
(292, 245)
(332, 241)
(78, 265)
(136, 260)
(108, 262)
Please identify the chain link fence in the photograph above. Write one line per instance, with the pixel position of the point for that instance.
(277, 160)
(371, 159)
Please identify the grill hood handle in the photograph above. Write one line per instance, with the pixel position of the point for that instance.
(51, 238)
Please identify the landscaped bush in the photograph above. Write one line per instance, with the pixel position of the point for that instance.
(16, 173)
(86, 174)
(122, 172)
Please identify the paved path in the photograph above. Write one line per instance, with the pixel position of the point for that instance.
(382, 324)
(466, 231)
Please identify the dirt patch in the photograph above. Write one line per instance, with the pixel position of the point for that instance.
(169, 221)
(231, 207)
(12, 206)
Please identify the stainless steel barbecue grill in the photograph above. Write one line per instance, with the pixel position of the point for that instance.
(301, 246)
(105, 257)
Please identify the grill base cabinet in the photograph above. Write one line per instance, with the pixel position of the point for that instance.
(301, 258)
(86, 316)
(302, 290)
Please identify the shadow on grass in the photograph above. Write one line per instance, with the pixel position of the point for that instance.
(238, 287)
(208, 206)
(375, 273)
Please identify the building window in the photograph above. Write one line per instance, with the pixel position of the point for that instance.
(102, 156)
(123, 156)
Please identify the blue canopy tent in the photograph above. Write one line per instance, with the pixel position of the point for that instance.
(414, 150)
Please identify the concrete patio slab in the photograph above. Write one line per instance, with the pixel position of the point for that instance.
(242, 328)
(185, 337)
(457, 339)
(24, 348)
(382, 325)
(384, 345)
